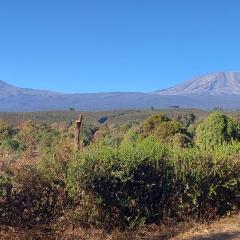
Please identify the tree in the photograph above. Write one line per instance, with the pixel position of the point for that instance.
(216, 130)
(187, 119)
(181, 140)
(166, 130)
(5, 131)
(102, 119)
(152, 122)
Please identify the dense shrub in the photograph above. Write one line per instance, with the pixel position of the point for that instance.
(181, 140)
(124, 180)
(209, 183)
(166, 130)
(152, 122)
(5, 185)
(150, 181)
(87, 133)
(186, 119)
(48, 139)
(11, 146)
(29, 199)
(131, 173)
(5, 131)
(131, 137)
(102, 119)
(216, 130)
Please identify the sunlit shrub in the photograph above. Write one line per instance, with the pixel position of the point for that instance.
(150, 181)
(216, 130)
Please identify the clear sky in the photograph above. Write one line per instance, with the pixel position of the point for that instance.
(110, 45)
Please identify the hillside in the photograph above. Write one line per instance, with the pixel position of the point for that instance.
(214, 90)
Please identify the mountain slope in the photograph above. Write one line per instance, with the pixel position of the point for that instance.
(207, 92)
(20, 99)
(215, 84)
(10, 90)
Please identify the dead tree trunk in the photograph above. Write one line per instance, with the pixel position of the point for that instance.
(78, 131)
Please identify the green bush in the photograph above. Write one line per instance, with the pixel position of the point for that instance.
(166, 130)
(131, 174)
(216, 130)
(186, 119)
(5, 185)
(209, 183)
(149, 181)
(123, 179)
(181, 140)
(149, 125)
(11, 146)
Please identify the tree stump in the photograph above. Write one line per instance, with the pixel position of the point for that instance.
(78, 131)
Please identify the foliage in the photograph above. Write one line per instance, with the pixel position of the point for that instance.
(166, 130)
(216, 130)
(124, 175)
(34, 201)
(12, 145)
(186, 119)
(152, 122)
(181, 140)
(6, 131)
(102, 119)
(151, 181)
(87, 134)
(5, 185)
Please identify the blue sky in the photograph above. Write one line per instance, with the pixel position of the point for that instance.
(107, 45)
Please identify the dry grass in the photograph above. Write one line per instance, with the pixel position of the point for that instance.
(223, 229)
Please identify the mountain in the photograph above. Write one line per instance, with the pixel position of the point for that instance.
(21, 99)
(214, 90)
(215, 84)
(7, 90)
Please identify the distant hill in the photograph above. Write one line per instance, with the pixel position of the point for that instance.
(214, 90)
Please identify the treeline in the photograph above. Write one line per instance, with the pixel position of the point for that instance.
(124, 174)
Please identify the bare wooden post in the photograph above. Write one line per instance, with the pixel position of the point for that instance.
(78, 131)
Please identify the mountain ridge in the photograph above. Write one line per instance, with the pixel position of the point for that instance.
(221, 89)
(213, 84)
